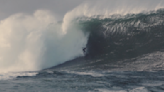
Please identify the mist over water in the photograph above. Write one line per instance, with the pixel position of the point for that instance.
(39, 41)
(34, 42)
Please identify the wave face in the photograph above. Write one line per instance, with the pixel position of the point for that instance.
(127, 37)
(130, 42)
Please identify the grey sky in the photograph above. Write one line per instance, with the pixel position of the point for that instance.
(59, 7)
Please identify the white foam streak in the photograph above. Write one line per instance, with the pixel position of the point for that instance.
(12, 75)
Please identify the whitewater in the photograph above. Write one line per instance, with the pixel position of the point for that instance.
(123, 42)
(33, 42)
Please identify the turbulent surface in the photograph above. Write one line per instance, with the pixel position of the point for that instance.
(66, 81)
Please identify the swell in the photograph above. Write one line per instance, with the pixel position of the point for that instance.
(119, 42)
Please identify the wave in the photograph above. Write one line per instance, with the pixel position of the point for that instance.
(39, 41)
(127, 37)
(131, 42)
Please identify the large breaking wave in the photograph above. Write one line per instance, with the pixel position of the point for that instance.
(39, 41)
(116, 42)
(126, 37)
(130, 41)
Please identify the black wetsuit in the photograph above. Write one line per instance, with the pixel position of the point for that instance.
(84, 50)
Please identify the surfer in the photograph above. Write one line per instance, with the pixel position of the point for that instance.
(84, 50)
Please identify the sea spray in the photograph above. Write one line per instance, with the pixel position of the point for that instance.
(34, 42)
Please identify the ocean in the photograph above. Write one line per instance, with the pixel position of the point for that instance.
(83, 53)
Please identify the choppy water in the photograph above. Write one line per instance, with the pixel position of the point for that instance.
(89, 81)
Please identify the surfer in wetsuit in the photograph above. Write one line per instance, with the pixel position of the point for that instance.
(84, 50)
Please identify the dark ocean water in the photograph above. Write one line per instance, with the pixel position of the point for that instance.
(124, 54)
(88, 81)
